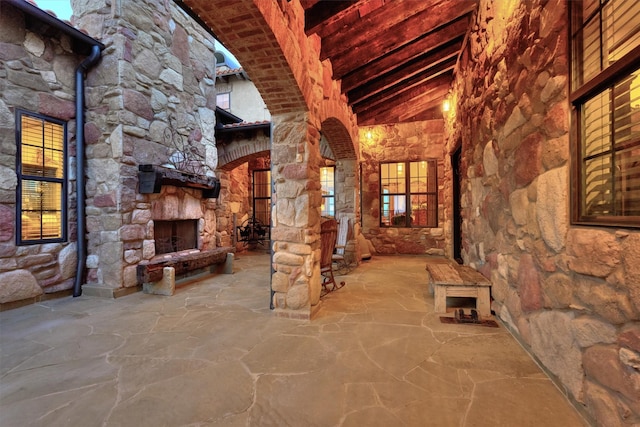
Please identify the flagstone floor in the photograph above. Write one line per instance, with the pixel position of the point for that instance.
(214, 354)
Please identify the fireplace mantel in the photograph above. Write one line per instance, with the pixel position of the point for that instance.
(151, 178)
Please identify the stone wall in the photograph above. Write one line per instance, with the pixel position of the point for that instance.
(240, 193)
(233, 201)
(570, 294)
(395, 143)
(37, 74)
(151, 96)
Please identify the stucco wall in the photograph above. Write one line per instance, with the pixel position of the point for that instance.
(245, 100)
(571, 294)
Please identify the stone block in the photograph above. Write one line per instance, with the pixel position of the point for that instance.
(630, 338)
(556, 348)
(551, 209)
(298, 297)
(18, 285)
(56, 107)
(165, 286)
(529, 285)
(602, 363)
(228, 264)
(287, 259)
(172, 78)
(602, 405)
(591, 330)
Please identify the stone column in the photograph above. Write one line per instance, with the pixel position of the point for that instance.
(297, 199)
(347, 203)
(347, 188)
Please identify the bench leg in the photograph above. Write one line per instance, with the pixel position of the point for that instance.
(228, 264)
(483, 301)
(166, 286)
(440, 298)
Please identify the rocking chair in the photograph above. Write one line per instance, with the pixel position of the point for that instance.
(328, 233)
(344, 260)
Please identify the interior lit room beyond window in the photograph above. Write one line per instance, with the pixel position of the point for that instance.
(409, 194)
(328, 186)
(41, 174)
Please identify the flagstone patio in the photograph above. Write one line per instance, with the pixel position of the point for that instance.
(214, 354)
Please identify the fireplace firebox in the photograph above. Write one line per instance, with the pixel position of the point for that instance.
(175, 235)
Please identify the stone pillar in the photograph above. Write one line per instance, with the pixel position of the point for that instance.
(297, 199)
(347, 186)
(348, 204)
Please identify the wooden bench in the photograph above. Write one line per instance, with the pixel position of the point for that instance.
(454, 280)
(158, 276)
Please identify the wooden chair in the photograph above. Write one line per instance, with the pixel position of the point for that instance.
(343, 260)
(328, 233)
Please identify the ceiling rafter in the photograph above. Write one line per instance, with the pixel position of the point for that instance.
(377, 26)
(423, 103)
(394, 59)
(431, 66)
(352, 75)
(403, 95)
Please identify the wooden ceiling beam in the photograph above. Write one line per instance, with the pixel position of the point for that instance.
(377, 39)
(328, 16)
(394, 59)
(428, 113)
(428, 67)
(406, 91)
(427, 106)
(429, 101)
(378, 23)
(353, 75)
(403, 95)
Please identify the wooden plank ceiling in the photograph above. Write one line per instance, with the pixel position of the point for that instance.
(395, 58)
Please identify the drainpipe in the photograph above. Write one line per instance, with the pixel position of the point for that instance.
(81, 71)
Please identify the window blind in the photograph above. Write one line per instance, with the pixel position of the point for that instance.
(42, 178)
(611, 150)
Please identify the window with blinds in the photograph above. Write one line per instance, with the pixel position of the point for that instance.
(409, 194)
(605, 85)
(41, 176)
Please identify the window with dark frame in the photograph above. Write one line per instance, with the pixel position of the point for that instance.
(605, 92)
(328, 185)
(409, 194)
(41, 170)
(262, 196)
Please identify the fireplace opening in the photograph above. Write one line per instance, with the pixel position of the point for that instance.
(176, 235)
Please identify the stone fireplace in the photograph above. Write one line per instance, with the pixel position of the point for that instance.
(181, 209)
(182, 221)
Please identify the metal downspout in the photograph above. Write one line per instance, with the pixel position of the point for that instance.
(85, 66)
